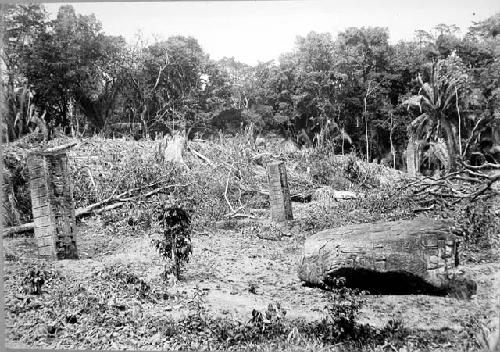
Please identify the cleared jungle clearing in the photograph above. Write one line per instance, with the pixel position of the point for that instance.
(237, 265)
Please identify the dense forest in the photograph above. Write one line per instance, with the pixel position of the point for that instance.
(353, 92)
(344, 197)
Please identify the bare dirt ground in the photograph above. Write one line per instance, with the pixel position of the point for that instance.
(240, 269)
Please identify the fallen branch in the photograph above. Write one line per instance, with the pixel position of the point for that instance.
(225, 195)
(244, 189)
(201, 156)
(94, 208)
(79, 213)
(268, 238)
(481, 167)
(18, 229)
(58, 148)
(428, 192)
(486, 187)
(424, 208)
(120, 196)
(240, 215)
(93, 183)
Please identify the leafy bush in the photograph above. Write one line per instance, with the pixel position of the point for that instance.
(125, 277)
(342, 310)
(116, 170)
(360, 173)
(480, 224)
(394, 333)
(34, 280)
(176, 242)
(17, 200)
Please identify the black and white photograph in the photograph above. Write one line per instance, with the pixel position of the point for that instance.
(281, 175)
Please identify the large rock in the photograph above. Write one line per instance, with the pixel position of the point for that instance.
(408, 253)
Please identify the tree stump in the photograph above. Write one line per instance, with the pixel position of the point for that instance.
(398, 257)
(279, 193)
(52, 203)
(170, 148)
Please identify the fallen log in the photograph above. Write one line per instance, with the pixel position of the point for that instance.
(201, 156)
(114, 198)
(19, 229)
(118, 201)
(57, 149)
(397, 257)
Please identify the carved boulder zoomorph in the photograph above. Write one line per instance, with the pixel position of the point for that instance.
(421, 250)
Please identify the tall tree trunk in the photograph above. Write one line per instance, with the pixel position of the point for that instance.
(451, 144)
(393, 150)
(145, 131)
(411, 158)
(367, 142)
(459, 122)
(4, 110)
(366, 125)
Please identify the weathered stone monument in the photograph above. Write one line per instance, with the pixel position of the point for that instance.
(52, 203)
(279, 193)
(398, 257)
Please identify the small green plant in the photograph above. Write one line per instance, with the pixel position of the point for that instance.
(271, 320)
(136, 284)
(176, 242)
(33, 282)
(343, 307)
(394, 333)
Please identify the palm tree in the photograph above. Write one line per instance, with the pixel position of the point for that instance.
(438, 101)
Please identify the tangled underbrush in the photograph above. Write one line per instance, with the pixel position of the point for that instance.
(478, 225)
(15, 176)
(343, 172)
(222, 178)
(382, 204)
(112, 308)
(102, 168)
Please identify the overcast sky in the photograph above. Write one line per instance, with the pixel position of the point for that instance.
(253, 31)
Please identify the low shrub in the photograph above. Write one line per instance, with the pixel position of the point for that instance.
(175, 244)
(342, 310)
(34, 280)
(479, 223)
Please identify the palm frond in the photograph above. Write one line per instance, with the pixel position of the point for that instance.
(413, 101)
(437, 151)
(422, 127)
(450, 94)
(430, 103)
(429, 92)
(345, 136)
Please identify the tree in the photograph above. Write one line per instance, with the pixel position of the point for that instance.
(74, 61)
(362, 55)
(236, 77)
(315, 51)
(23, 24)
(168, 82)
(480, 46)
(438, 102)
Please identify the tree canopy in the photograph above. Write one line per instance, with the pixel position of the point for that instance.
(352, 92)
